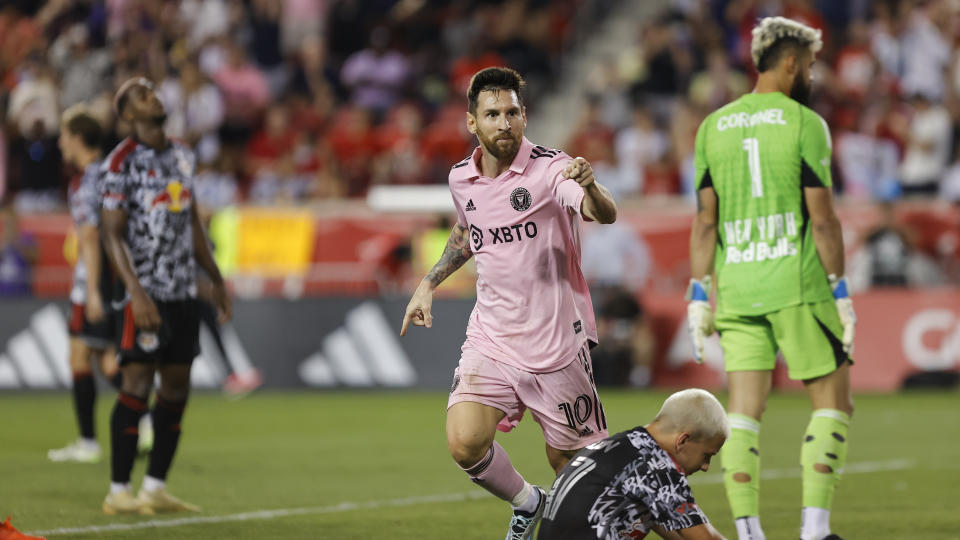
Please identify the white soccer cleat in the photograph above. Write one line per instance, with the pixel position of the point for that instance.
(123, 502)
(159, 500)
(79, 451)
(523, 524)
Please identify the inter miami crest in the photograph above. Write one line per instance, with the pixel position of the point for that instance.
(520, 199)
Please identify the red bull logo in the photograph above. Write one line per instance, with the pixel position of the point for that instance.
(175, 198)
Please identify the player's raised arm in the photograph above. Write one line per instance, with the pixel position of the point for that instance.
(598, 203)
(455, 254)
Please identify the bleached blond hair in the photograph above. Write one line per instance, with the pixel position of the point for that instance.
(773, 29)
(694, 411)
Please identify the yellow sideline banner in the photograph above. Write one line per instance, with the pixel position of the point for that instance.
(274, 242)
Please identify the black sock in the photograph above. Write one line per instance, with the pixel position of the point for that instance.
(123, 435)
(166, 436)
(84, 396)
(115, 380)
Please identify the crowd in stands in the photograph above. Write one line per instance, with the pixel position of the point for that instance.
(284, 100)
(887, 82)
(298, 100)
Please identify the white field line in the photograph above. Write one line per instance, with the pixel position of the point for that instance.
(853, 468)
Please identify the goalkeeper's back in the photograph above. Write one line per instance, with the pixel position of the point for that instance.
(758, 153)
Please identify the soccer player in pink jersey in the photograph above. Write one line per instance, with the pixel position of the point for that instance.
(519, 208)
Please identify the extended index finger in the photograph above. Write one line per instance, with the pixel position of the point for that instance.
(406, 323)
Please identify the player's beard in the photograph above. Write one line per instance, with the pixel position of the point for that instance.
(159, 119)
(800, 91)
(501, 152)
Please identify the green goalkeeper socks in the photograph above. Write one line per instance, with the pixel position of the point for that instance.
(823, 454)
(740, 458)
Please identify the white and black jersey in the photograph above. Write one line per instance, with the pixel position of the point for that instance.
(155, 188)
(619, 488)
(84, 198)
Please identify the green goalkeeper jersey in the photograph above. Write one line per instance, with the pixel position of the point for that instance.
(759, 153)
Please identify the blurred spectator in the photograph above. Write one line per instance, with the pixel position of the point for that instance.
(855, 66)
(245, 92)
(354, 144)
(888, 256)
(302, 20)
(83, 70)
(637, 146)
(265, 43)
(868, 163)
(272, 142)
(950, 187)
(615, 257)
(400, 159)
(376, 75)
(928, 147)
(204, 19)
(194, 110)
(909, 47)
(718, 84)
(17, 255)
(215, 185)
(312, 72)
(624, 356)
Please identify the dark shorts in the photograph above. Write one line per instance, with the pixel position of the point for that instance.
(99, 335)
(176, 342)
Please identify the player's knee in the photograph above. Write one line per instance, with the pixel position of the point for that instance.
(136, 383)
(467, 450)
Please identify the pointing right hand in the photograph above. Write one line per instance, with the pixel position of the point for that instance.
(418, 310)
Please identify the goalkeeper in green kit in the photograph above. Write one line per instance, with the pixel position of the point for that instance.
(766, 226)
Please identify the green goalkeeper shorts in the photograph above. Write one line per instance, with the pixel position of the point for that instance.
(809, 335)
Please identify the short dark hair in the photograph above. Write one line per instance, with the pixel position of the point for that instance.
(780, 49)
(87, 128)
(494, 78)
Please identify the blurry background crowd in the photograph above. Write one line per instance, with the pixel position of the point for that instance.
(297, 103)
(298, 100)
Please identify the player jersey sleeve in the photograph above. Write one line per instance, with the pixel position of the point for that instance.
(815, 150)
(667, 495)
(114, 188)
(702, 178)
(86, 207)
(567, 192)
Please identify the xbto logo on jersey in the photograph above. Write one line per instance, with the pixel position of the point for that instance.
(520, 199)
(504, 235)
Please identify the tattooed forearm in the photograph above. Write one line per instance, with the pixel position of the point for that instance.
(455, 254)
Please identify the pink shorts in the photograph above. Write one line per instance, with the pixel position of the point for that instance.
(564, 402)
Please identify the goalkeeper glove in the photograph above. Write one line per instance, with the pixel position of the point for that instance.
(845, 309)
(699, 315)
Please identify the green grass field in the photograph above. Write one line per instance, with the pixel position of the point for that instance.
(337, 465)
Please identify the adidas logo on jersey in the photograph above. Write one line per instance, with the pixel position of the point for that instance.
(470, 207)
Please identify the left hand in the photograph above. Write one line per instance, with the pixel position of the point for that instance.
(580, 171)
(848, 318)
(222, 300)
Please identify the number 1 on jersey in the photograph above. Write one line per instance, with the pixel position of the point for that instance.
(752, 146)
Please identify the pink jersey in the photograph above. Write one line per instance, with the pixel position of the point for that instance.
(533, 308)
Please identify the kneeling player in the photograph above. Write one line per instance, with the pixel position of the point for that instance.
(636, 481)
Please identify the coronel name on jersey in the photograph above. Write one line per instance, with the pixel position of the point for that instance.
(779, 227)
(737, 120)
